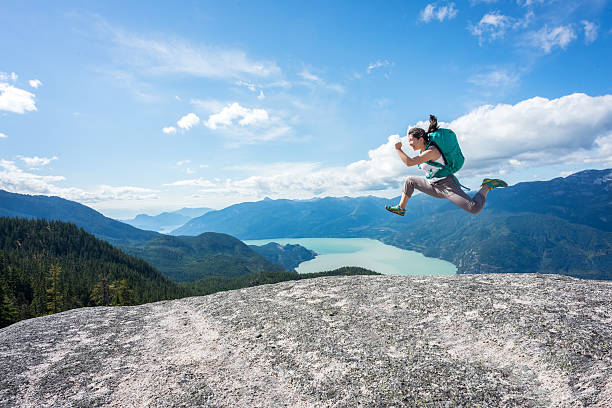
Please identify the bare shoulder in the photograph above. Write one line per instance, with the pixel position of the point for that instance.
(432, 153)
(434, 149)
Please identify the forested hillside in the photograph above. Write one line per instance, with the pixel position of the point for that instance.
(187, 259)
(214, 284)
(179, 258)
(50, 266)
(501, 242)
(290, 256)
(59, 209)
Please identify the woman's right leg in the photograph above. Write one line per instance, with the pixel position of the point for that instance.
(420, 184)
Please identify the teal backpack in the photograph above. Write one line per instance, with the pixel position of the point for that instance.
(445, 141)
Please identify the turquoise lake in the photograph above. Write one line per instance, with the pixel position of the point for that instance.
(364, 252)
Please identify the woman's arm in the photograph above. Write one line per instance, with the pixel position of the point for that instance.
(430, 154)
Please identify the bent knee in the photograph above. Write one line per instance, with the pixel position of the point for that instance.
(475, 207)
(474, 210)
(411, 181)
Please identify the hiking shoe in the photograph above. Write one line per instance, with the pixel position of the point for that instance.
(494, 183)
(395, 209)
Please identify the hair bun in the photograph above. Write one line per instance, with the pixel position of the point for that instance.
(433, 124)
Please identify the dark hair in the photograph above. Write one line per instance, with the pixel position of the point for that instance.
(420, 133)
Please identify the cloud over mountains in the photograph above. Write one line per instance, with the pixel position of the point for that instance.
(575, 128)
(535, 132)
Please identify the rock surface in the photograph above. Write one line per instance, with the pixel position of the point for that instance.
(468, 340)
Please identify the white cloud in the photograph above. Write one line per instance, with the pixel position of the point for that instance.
(14, 179)
(4, 76)
(574, 129)
(537, 131)
(528, 3)
(310, 76)
(440, 13)
(261, 95)
(199, 182)
(248, 85)
(235, 111)
(180, 56)
(377, 64)
(336, 87)
(428, 13)
(244, 136)
(181, 162)
(492, 25)
(590, 31)
(272, 169)
(188, 121)
(547, 39)
(140, 90)
(209, 106)
(37, 161)
(315, 80)
(169, 130)
(3, 136)
(280, 84)
(16, 100)
(253, 125)
(34, 83)
(498, 79)
(125, 193)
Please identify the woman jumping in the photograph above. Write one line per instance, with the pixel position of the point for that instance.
(440, 157)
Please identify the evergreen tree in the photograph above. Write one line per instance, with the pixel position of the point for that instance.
(101, 293)
(8, 310)
(121, 293)
(55, 298)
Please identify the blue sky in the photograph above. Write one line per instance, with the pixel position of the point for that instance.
(153, 107)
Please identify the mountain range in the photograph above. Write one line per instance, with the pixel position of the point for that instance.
(559, 226)
(166, 221)
(582, 198)
(179, 258)
(59, 209)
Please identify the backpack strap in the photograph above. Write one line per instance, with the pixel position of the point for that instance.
(461, 185)
(434, 144)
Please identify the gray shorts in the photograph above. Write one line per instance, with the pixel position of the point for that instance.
(445, 188)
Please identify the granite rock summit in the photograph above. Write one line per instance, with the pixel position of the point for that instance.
(466, 340)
